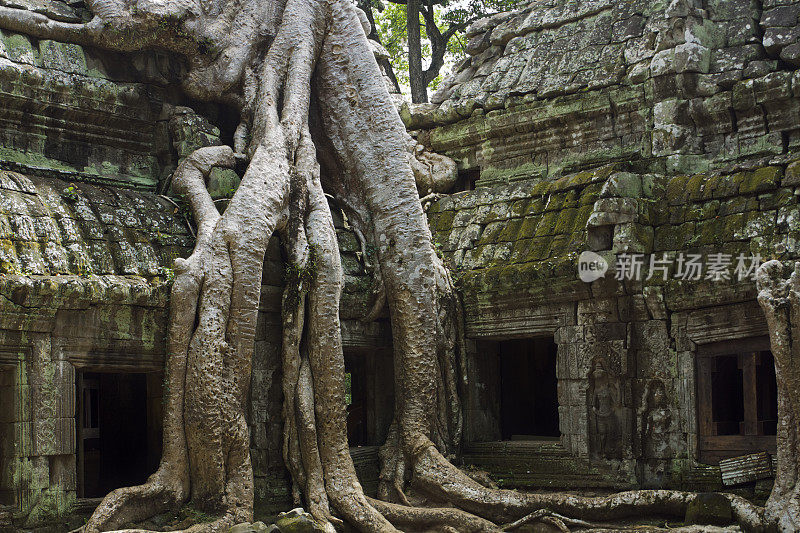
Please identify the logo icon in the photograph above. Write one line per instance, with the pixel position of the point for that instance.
(591, 266)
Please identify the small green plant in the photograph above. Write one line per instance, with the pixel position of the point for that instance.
(167, 273)
(437, 247)
(456, 274)
(70, 193)
(162, 239)
(370, 249)
(361, 284)
(83, 266)
(194, 514)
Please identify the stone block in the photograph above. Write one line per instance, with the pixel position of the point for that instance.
(23, 438)
(654, 300)
(297, 521)
(62, 472)
(756, 69)
(633, 238)
(781, 16)
(734, 57)
(568, 334)
(692, 57)
(762, 180)
(65, 57)
(625, 29)
(597, 310)
(663, 62)
(791, 54)
(622, 184)
(788, 220)
(18, 48)
(775, 39)
(772, 87)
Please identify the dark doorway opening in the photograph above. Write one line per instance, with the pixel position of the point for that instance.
(727, 398)
(369, 381)
(356, 396)
(737, 399)
(118, 430)
(529, 389)
(7, 419)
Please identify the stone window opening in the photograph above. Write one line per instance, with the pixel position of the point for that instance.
(736, 399)
(466, 179)
(118, 430)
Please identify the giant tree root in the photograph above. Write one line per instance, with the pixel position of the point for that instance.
(351, 142)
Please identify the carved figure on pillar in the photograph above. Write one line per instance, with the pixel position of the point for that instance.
(603, 403)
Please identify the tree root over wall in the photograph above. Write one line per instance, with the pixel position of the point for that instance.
(315, 115)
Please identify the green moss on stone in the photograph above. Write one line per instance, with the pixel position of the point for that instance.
(519, 207)
(547, 224)
(520, 251)
(676, 187)
(558, 245)
(491, 232)
(727, 185)
(780, 198)
(510, 230)
(444, 221)
(528, 228)
(590, 194)
(582, 178)
(535, 206)
(555, 202)
(762, 180)
(737, 204)
(497, 211)
(566, 221)
(674, 237)
(792, 176)
(694, 187)
(539, 249)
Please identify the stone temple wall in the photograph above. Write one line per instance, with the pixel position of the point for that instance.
(663, 129)
(514, 250)
(672, 87)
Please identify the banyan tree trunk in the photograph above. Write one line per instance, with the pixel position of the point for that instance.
(780, 300)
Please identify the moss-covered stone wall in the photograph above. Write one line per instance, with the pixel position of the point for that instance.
(674, 87)
(514, 252)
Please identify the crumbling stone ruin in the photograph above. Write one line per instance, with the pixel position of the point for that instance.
(660, 136)
(646, 128)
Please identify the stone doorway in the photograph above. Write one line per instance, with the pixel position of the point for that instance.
(356, 397)
(528, 389)
(118, 430)
(737, 399)
(369, 383)
(7, 420)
